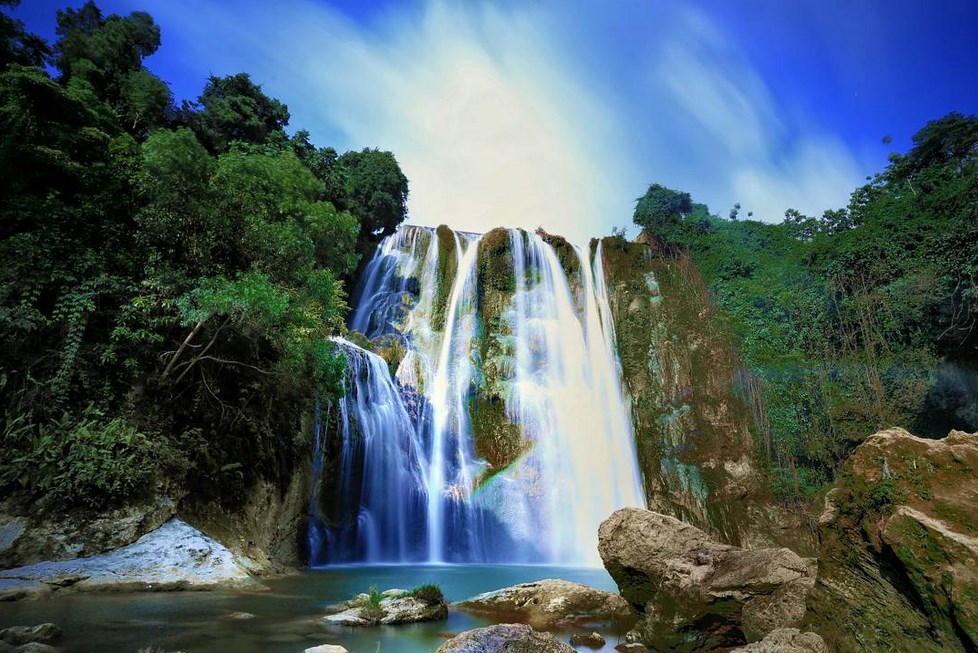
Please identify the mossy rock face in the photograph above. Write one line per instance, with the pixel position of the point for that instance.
(900, 547)
(497, 439)
(693, 430)
(444, 275)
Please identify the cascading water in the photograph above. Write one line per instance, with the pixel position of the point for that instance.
(535, 362)
(381, 471)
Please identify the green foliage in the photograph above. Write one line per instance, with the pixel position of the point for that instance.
(844, 321)
(234, 108)
(660, 209)
(373, 611)
(184, 271)
(92, 461)
(377, 191)
(430, 593)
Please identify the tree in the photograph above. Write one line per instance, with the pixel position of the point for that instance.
(658, 211)
(234, 108)
(17, 45)
(376, 191)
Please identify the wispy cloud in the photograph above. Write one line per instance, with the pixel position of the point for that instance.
(497, 120)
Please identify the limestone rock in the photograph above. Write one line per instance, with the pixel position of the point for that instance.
(697, 593)
(173, 557)
(326, 648)
(504, 638)
(552, 602)
(396, 607)
(786, 640)
(46, 633)
(31, 533)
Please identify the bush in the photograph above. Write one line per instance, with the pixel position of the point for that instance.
(430, 593)
(373, 611)
(91, 462)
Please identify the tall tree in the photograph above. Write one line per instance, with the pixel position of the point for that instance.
(377, 191)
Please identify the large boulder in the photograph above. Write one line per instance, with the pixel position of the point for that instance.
(900, 547)
(697, 593)
(505, 638)
(786, 640)
(549, 603)
(175, 556)
(35, 531)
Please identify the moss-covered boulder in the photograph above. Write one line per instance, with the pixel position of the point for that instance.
(900, 547)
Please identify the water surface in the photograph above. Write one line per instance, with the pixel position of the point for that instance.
(285, 616)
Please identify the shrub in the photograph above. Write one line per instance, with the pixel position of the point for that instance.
(373, 611)
(91, 461)
(430, 593)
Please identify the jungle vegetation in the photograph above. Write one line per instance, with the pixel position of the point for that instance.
(862, 318)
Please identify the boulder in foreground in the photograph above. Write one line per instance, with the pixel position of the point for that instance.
(697, 593)
(550, 603)
(504, 638)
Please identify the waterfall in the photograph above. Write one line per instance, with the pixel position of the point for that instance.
(381, 470)
(523, 442)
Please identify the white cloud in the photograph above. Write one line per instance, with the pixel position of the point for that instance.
(745, 148)
(495, 121)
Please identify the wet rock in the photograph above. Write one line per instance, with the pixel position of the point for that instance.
(552, 602)
(395, 607)
(47, 633)
(326, 648)
(786, 640)
(240, 616)
(590, 640)
(35, 647)
(697, 593)
(176, 556)
(504, 638)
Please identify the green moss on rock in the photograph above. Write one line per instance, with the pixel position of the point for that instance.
(444, 275)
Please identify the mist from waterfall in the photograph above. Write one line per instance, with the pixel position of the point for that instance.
(415, 488)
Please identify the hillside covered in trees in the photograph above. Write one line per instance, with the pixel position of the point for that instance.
(863, 318)
(170, 273)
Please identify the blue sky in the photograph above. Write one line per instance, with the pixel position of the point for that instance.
(558, 113)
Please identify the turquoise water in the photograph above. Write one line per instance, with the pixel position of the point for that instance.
(285, 616)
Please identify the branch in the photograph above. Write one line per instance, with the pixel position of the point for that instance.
(180, 350)
(210, 344)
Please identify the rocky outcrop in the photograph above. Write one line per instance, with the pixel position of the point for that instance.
(34, 531)
(175, 556)
(549, 603)
(504, 638)
(695, 426)
(47, 633)
(900, 547)
(393, 607)
(786, 640)
(267, 532)
(696, 593)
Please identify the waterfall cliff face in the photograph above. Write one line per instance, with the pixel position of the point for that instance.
(522, 440)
